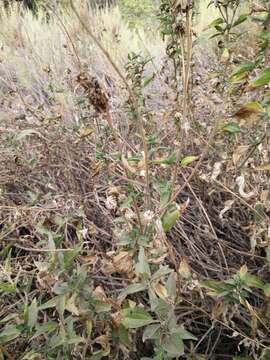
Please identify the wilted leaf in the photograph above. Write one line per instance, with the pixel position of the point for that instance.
(127, 166)
(249, 110)
(123, 262)
(135, 318)
(160, 290)
(27, 132)
(228, 205)
(225, 56)
(265, 167)
(240, 180)
(184, 269)
(86, 132)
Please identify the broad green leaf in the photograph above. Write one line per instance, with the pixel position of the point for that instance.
(45, 329)
(242, 18)
(188, 160)
(231, 128)
(241, 72)
(173, 345)
(163, 271)
(142, 267)
(32, 314)
(135, 318)
(61, 304)
(171, 285)
(262, 79)
(131, 289)
(170, 160)
(49, 304)
(151, 332)
(8, 318)
(169, 219)
(9, 333)
(165, 192)
(215, 22)
(184, 334)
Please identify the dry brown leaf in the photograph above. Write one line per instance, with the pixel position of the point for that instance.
(160, 290)
(238, 153)
(184, 269)
(264, 167)
(240, 180)
(99, 293)
(220, 308)
(123, 262)
(228, 206)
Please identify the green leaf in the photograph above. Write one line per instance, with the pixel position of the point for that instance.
(173, 345)
(45, 329)
(135, 318)
(32, 314)
(242, 18)
(171, 285)
(169, 219)
(241, 72)
(262, 79)
(231, 128)
(188, 160)
(151, 332)
(9, 333)
(8, 318)
(170, 160)
(253, 281)
(163, 271)
(49, 304)
(184, 334)
(266, 290)
(7, 287)
(131, 289)
(142, 267)
(215, 22)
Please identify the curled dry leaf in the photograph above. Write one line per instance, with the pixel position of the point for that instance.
(238, 153)
(123, 262)
(127, 166)
(240, 181)
(160, 290)
(184, 269)
(228, 206)
(111, 203)
(99, 293)
(216, 170)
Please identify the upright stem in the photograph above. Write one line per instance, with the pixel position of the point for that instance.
(132, 96)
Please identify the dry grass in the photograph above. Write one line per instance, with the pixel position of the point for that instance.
(65, 193)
